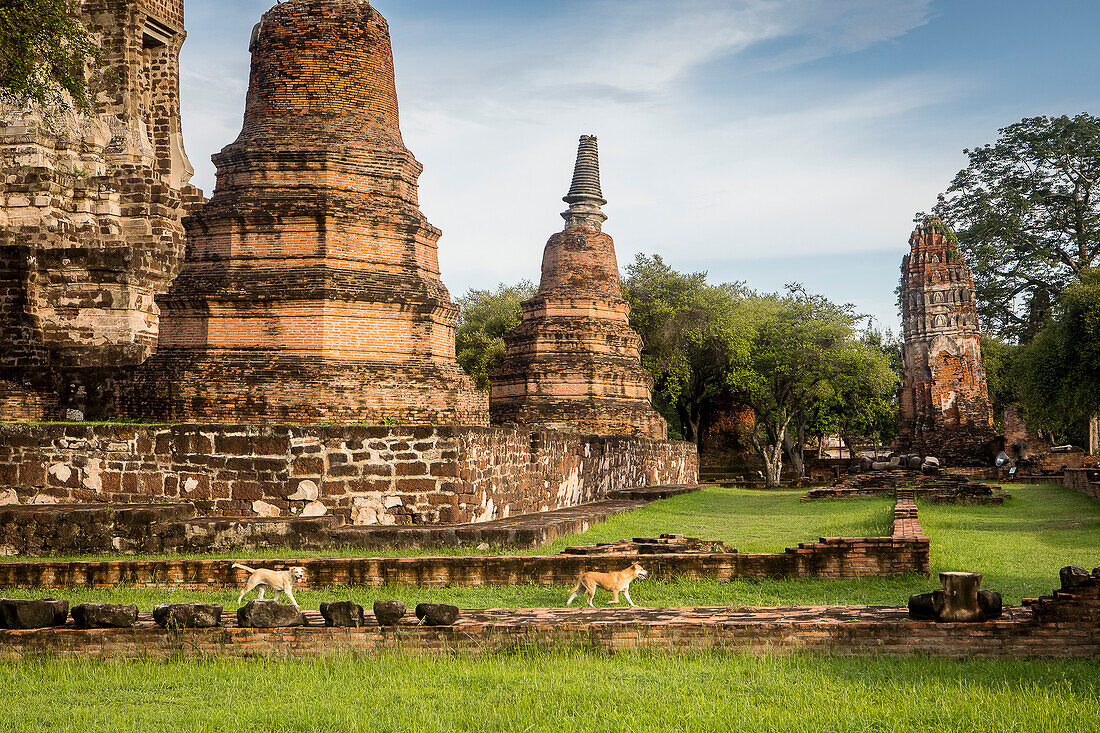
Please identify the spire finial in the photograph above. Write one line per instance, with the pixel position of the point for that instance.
(584, 197)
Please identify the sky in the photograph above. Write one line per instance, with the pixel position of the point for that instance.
(763, 141)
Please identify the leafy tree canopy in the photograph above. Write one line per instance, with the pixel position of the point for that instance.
(692, 333)
(1059, 372)
(1027, 217)
(484, 317)
(44, 50)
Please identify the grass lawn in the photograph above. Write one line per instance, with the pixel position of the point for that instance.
(559, 691)
(1018, 546)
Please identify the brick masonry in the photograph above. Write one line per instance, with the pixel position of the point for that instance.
(90, 217)
(311, 288)
(944, 407)
(904, 551)
(1059, 627)
(368, 475)
(574, 360)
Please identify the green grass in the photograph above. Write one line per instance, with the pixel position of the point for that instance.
(1018, 546)
(748, 520)
(563, 691)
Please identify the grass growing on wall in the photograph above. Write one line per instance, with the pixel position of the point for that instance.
(563, 691)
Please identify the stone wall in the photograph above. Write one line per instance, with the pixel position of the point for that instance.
(386, 475)
(1062, 626)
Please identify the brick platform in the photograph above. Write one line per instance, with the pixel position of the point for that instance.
(905, 551)
(840, 630)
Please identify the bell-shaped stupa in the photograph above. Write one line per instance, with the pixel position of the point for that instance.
(311, 286)
(574, 361)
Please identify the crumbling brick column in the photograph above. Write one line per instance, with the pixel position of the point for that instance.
(311, 288)
(90, 214)
(574, 361)
(944, 402)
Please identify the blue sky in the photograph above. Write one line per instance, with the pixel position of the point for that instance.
(768, 141)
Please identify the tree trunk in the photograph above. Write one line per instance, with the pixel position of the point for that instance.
(794, 452)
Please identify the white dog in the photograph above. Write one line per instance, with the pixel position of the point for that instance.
(279, 581)
(618, 582)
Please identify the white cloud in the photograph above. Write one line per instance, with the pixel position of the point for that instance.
(493, 105)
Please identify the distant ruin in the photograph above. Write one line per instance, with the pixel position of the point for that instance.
(944, 405)
(574, 360)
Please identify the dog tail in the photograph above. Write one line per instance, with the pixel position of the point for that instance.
(242, 567)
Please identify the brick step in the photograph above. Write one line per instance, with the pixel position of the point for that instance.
(522, 530)
(653, 493)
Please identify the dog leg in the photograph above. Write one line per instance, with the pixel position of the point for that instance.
(262, 586)
(571, 597)
(626, 592)
(591, 595)
(614, 596)
(290, 595)
(248, 587)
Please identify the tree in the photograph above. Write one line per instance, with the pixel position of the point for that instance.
(1059, 372)
(691, 332)
(483, 319)
(1027, 218)
(865, 389)
(801, 347)
(44, 52)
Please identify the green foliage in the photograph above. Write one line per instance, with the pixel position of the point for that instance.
(44, 51)
(865, 390)
(803, 353)
(999, 362)
(484, 317)
(1026, 216)
(691, 331)
(1059, 371)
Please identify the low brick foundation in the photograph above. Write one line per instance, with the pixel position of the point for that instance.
(837, 630)
(905, 551)
(1085, 480)
(368, 475)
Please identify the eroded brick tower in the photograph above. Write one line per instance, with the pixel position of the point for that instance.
(90, 210)
(311, 286)
(574, 359)
(944, 402)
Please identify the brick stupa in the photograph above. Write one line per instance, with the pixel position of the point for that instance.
(574, 362)
(311, 286)
(944, 406)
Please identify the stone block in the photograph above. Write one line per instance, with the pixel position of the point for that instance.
(104, 616)
(269, 615)
(436, 614)
(187, 615)
(388, 613)
(342, 613)
(23, 613)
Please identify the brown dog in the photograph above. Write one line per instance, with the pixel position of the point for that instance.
(279, 581)
(618, 582)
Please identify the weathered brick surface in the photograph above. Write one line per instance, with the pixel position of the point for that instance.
(386, 475)
(944, 402)
(311, 288)
(1062, 632)
(904, 551)
(90, 216)
(574, 359)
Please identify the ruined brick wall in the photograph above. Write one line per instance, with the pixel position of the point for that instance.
(90, 212)
(311, 289)
(386, 475)
(944, 402)
(574, 359)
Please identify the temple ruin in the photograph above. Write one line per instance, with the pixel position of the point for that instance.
(311, 287)
(944, 407)
(574, 360)
(90, 216)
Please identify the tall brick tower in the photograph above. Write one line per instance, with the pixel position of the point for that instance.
(574, 358)
(311, 286)
(944, 402)
(90, 210)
